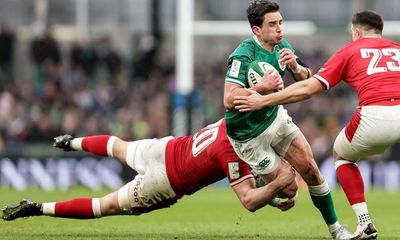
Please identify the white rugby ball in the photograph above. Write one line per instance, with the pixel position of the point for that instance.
(256, 71)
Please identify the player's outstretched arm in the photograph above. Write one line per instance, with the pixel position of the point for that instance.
(254, 198)
(296, 92)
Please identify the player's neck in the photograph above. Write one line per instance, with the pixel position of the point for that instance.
(263, 44)
(372, 36)
(268, 47)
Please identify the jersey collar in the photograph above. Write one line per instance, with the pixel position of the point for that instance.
(259, 44)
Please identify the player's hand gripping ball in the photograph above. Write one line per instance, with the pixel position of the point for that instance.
(256, 70)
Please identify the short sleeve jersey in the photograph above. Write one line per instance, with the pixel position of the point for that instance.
(371, 66)
(246, 125)
(193, 162)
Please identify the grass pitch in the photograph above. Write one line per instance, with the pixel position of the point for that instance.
(212, 213)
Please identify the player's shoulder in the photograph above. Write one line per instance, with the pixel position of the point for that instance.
(245, 50)
(348, 49)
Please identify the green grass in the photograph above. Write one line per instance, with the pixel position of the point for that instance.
(212, 213)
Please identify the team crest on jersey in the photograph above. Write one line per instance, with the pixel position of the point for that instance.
(233, 170)
(235, 68)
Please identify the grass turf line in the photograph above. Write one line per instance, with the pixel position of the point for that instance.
(212, 213)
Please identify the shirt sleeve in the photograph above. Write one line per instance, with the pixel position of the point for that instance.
(333, 71)
(237, 70)
(237, 171)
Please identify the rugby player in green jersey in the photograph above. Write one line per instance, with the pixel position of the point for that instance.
(263, 138)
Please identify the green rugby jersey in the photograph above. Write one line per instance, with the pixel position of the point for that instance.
(245, 125)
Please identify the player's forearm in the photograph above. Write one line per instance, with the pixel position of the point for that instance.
(302, 74)
(257, 198)
(296, 92)
(262, 89)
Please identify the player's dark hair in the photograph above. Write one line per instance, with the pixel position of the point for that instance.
(370, 20)
(257, 10)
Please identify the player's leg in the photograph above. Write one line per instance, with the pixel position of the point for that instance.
(78, 208)
(352, 183)
(143, 194)
(100, 145)
(85, 208)
(292, 145)
(299, 155)
(371, 130)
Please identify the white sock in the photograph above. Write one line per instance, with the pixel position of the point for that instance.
(110, 145)
(49, 209)
(319, 190)
(361, 211)
(96, 207)
(76, 144)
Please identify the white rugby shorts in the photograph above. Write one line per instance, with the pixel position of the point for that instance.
(151, 186)
(263, 153)
(371, 130)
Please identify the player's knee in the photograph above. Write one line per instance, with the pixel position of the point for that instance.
(109, 208)
(109, 205)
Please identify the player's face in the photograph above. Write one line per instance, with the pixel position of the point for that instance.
(271, 30)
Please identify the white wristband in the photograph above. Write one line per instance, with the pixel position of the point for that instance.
(298, 69)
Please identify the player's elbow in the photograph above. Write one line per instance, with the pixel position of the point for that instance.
(228, 102)
(250, 207)
(250, 204)
(228, 105)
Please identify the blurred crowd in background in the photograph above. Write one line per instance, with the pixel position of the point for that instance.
(92, 88)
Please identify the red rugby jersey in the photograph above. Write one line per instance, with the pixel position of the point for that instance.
(369, 65)
(193, 162)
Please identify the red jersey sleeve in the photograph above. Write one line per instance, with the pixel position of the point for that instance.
(237, 171)
(334, 70)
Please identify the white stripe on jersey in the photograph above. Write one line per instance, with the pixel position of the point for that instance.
(241, 179)
(235, 81)
(323, 80)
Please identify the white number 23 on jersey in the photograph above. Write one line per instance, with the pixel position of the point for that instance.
(376, 56)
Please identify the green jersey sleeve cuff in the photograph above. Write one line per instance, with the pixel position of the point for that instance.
(235, 81)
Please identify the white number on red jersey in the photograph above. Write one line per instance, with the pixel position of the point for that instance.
(203, 138)
(376, 55)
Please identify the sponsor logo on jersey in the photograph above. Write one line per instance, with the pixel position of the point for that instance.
(233, 168)
(264, 163)
(136, 191)
(234, 72)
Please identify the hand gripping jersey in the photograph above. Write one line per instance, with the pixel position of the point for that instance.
(193, 162)
(369, 65)
(246, 125)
